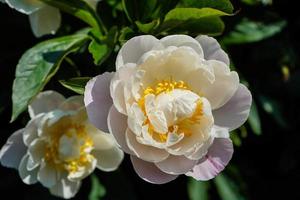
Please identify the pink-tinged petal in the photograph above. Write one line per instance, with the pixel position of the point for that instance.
(45, 102)
(45, 20)
(13, 151)
(145, 152)
(214, 162)
(65, 189)
(72, 103)
(117, 125)
(28, 176)
(134, 48)
(182, 40)
(149, 172)
(98, 101)
(236, 111)
(212, 49)
(176, 165)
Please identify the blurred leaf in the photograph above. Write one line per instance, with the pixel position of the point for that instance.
(255, 2)
(234, 136)
(37, 66)
(198, 190)
(75, 84)
(101, 48)
(223, 5)
(273, 108)
(254, 119)
(227, 188)
(80, 9)
(204, 20)
(126, 34)
(98, 190)
(147, 28)
(249, 31)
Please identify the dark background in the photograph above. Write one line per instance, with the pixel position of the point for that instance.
(268, 164)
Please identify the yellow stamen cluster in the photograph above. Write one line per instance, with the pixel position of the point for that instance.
(71, 165)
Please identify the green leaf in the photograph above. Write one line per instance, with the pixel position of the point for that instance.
(249, 31)
(198, 190)
(227, 188)
(254, 120)
(37, 66)
(125, 34)
(101, 47)
(76, 84)
(194, 20)
(80, 9)
(148, 27)
(223, 5)
(98, 190)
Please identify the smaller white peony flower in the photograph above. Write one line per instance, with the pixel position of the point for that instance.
(59, 147)
(43, 19)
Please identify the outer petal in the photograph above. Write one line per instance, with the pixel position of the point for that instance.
(145, 152)
(134, 48)
(212, 49)
(65, 188)
(36, 150)
(236, 111)
(13, 151)
(182, 40)
(98, 101)
(31, 129)
(45, 102)
(47, 175)
(45, 21)
(176, 165)
(72, 103)
(215, 161)
(117, 124)
(149, 172)
(25, 6)
(27, 176)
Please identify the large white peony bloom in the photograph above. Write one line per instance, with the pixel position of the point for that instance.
(173, 102)
(59, 147)
(43, 19)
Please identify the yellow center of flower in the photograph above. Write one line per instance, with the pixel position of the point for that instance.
(183, 126)
(69, 148)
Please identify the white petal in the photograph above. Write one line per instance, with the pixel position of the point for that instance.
(36, 150)
(13, 151)
(212, 49)
(45, 21)
(220, 132)
(236, 111)
(182, 40)
(144, 152)
(31, 129)
(45, 102)
(27, 176)
(201, 150)
(108, 159)
(136, 119)
(65, 188)
(176, 165)
(134, 48)
(97, 100)
(25, 6)
(85, 171)
(47, 175)
(73, 103)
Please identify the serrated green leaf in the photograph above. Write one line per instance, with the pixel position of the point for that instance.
(101, 47)
(250, 31)
(98, 191)
(254, 120)
(75, 84)
(227, 188)
(37, 66)
(198, 190)
(223, 5)
(194, 20)
(80, 9)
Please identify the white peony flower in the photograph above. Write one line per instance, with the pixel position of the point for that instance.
(59, 147)
(43, 19)
(174, 101)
